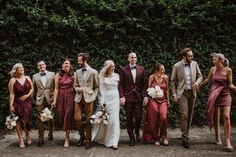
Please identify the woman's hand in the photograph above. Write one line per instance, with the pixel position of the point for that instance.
(24, 97)
(12, 109)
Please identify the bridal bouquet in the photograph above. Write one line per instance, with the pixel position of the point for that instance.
(101, 116)
(11, 121)
(46, 115)
(155, 92)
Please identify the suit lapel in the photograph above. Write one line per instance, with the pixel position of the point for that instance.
(47, 78)
(86, 75)
(130, 74)
(183, 71)
(39, 79)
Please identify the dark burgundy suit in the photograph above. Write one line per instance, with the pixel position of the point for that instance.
(134, 93)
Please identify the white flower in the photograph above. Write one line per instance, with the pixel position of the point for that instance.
(99, 114)
(13, 123)
(8, 118)
(105, 122)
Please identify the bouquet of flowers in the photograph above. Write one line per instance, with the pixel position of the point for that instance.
(11, 121)
(101, 116)
(155, 92)
(46, 115)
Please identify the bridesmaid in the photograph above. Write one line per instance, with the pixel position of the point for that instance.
(219, 96)
(155, 125)
(21, 88)
(64, 99)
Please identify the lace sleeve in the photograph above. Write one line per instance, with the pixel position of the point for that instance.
(101, 92)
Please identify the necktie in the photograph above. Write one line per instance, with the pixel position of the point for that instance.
(42, 74)
(132, 68)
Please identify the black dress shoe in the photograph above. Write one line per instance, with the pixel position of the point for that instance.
(186, 144)
(88, 145)
(132, 142)
(138, 138)
(80, 142)
(50, 136)
(40, 143)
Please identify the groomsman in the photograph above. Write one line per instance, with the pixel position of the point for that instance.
(185, 79)
(132, 88)
(86, 87)
(44, 88)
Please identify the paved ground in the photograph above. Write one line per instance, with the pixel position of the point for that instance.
(201, 146)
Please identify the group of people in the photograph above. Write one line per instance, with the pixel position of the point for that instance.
(73, 94)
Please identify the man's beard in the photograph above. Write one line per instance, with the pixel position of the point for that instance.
(81, 65)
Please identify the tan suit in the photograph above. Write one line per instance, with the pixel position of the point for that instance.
(44, 97)
(186, 98)
(89, 81)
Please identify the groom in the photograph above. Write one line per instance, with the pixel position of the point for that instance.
(86, 87)
(132, 88)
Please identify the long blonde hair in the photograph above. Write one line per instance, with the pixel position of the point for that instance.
(14, 68)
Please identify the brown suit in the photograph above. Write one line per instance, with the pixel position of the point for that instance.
(44, 98)
(186, 98)
(89, 81)
(134, 93)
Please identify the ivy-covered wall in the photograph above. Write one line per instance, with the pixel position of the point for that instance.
(156, 30)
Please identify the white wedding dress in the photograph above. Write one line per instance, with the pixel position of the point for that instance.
(108, 134)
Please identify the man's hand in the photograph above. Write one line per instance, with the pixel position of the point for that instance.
(196, 86)
(122, 101)
(145, 100)
(176, 99)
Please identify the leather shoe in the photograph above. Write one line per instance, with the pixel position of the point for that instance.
(40, 143)
(132, 142)
(88, 145)
(186, 144)
(138, 138)
(80, 142)
(50, 136)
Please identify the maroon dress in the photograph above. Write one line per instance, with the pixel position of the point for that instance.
(155, 125)
(23, 108)
(65, 103)
(219, 95)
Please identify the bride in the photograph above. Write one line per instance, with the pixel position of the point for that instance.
(108, 94)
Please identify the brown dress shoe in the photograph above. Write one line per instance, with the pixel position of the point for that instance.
(40, 143)
(80, 142)
(88, 144)
(50, 136)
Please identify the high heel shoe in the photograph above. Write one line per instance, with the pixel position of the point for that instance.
(66, 144)
(157, 143)
(229, 148)
(29, 141)
(22, 145)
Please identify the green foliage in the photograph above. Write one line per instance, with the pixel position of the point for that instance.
(156, 29)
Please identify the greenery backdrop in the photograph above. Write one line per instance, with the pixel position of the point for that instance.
(157, 30)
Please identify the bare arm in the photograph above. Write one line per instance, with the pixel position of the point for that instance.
(209, 77)
(167, 89)
(56, 89)
(12, 95)
(230, 79)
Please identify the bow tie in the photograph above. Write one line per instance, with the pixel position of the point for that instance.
(83, 69)
(42, 74)
(188, 64)
(132, 68)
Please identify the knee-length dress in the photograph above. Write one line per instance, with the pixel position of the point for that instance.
(23, 108)
(219, 95)
(65, 103)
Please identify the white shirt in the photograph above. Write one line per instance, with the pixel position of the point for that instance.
(43, 79)
(133, 71)
(188, 76)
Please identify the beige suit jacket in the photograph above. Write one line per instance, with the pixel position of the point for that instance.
(178, 78)
(44, 92)
(89, 81)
